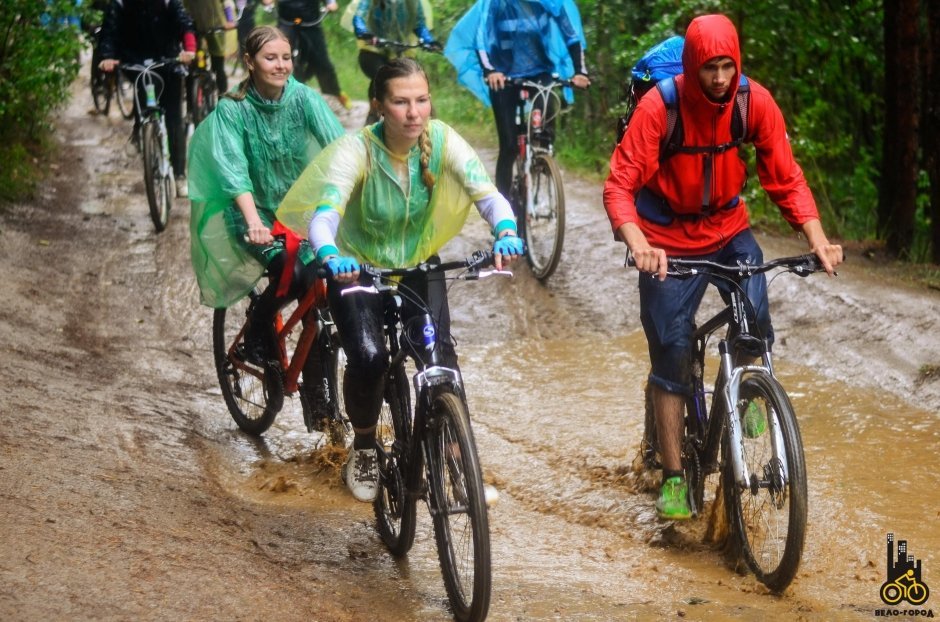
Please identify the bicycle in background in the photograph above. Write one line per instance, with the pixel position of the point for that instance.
(745, 428)
(159, 180)
(254, 394)
(109, 86)
(202, 90)
(430, 454)
(537, 193)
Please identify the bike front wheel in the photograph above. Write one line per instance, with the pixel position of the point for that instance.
(254, 395)
(124, 94)
(768, 516)
(158, 183)
(205, 97)
(100, 86)
(545, 222)
(458, 508)
(395, 509)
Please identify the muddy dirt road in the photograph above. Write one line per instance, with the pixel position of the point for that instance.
(128, 493)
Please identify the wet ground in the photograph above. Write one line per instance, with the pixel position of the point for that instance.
(128, 492)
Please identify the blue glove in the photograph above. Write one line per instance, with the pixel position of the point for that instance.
(424, 35)
(341, 265)
(360, 29)
(509, 245)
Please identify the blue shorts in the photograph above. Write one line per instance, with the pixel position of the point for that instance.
(667, 311)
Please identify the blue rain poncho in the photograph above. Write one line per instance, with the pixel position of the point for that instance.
(248, 146)
(521, 38)
(382, 223)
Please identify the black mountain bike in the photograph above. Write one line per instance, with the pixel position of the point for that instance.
(431, 454)
(744, 428)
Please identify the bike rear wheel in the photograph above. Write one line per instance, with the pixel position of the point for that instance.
(458, 508)
(159, 185)
(253, 395)
(395, 509)
(545, 223)
(768, 517)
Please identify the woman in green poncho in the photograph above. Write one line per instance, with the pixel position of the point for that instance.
(243, 159)
(390, 195)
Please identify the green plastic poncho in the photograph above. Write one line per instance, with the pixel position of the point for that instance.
(248, 146)
(382, 222)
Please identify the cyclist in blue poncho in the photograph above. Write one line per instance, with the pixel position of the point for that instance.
(500, 39)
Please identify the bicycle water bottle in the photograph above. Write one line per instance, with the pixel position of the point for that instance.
(536, 120)
(151, 95)
(201, 59)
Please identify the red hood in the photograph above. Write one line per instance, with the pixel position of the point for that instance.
(708, 36)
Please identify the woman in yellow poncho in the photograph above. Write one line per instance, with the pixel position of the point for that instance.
(391, 195)
(243, 159)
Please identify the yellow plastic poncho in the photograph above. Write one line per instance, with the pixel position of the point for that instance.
(248, 146)
(382, 223)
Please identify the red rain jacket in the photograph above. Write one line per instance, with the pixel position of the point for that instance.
(680, 179)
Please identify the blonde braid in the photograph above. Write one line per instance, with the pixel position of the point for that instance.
(424, 141)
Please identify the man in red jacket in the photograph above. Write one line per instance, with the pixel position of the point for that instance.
(689, 205)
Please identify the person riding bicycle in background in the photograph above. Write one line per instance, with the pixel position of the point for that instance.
(243, 159)
(501, 39)
(689, 205)
(214, 15)
(137, 30)
(313, 57)
(390, 195)
(401, 21)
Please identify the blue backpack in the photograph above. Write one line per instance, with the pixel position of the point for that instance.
(658, 68)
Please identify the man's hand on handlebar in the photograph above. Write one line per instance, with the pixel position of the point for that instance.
(652, 260)
(507, 249)
(496, 80)
(108, 65)
(581, 81)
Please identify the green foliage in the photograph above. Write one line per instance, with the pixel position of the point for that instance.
(39, 49)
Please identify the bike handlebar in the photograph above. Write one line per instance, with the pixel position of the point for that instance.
(473, 265)
(801, 265)
(153, 64)
(530, 83)
(399, 45)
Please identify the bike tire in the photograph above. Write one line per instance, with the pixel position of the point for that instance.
(395, 509)
(124, 94)
(253, 396)
(768, 518)
(458, 504)
(649, 445)
(205, 97)
(159, 186)
(545, 226)
(333, 364)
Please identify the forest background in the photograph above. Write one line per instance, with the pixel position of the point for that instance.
(858, 82)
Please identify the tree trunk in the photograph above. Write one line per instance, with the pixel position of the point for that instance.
(931, 134)
(898, 191)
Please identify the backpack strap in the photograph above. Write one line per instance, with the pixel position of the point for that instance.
(672, 141)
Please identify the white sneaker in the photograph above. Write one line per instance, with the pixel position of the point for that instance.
(182, 188)
(362, 474)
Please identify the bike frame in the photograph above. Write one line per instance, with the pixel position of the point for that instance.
(526, 131)
(148, 77)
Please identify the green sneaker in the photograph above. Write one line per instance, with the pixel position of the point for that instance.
(673, 502)
(755, 423)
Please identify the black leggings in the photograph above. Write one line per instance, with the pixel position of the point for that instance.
(360, 321)
(313, 57)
